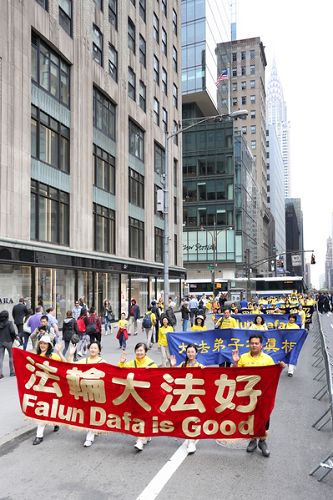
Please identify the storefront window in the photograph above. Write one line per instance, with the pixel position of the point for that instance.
(65, 280)
(45, 286)
(85, 287)
(124, 294)
(174, 285)
(139, 292)
(15, 282)
(106, 287)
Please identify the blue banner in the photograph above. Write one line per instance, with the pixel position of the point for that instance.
(271, 320)
(269, 309)
(215, 346)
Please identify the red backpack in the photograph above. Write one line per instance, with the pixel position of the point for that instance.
(81, 325)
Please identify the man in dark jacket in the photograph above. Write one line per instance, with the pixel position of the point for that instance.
(7, 337)
(20, 311)
(69, 328)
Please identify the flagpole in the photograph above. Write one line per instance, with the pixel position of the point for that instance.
(229, 89)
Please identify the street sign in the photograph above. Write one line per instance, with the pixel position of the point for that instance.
(211, 267)
(296, 260)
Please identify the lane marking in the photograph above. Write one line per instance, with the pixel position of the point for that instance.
(164, 474)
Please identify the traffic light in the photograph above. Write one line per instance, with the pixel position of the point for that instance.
(313, 259)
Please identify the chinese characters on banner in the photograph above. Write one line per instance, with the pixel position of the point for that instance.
(188, 403)
(216, 346)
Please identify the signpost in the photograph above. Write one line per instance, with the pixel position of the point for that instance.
(296, 260)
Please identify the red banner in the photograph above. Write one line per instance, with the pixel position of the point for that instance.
(184, 402)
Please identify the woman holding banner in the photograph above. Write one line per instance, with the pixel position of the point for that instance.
(93, 357)
(45, 349)
(199, 324)
(258, 323)
(190, 362)
(141, 360)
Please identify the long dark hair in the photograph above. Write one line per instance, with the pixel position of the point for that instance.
(186, 358)
(48, 352)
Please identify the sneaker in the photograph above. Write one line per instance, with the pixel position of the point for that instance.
(139, 445)
(251, 446)
(290, 374)
(37, 441)
(87, 443)
(135, 333)
(191, 448)
(56, 428)
(263, 447)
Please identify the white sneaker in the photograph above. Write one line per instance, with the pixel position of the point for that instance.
(139, 445)
(87, 443)
(191, 448)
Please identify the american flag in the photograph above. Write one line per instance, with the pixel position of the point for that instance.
(223, 76)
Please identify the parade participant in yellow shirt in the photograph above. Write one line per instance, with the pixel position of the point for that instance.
(141, 360)
(93, 357)
(302, 315)
(255, 357)
(163, 341)
(256, 310)
(45, 349)
(122, 334)
(190, 362)
(259, 323)
(226, 321)
(291, 325)
(199, 323)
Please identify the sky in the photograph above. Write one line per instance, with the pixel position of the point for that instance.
(298, 34)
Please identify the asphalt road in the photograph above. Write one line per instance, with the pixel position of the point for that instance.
(112, 469)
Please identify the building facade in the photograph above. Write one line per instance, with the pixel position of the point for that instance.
(276, 114)
(204, 24)
(247, 91)
(275, 191)
(218, 197)
(328, 263)
(89, 90)
(294, 236)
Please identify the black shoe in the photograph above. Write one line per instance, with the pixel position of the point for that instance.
(263, 447)
(251, 446)
(290, 374)
(37, 440)
(12, 375)
(1, 376)
(56, 428)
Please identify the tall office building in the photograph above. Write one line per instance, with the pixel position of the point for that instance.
(248, 62)
(328, 263)
(276, 114)
(88, 91)
(205, 23)
(294, 235)
(275, 191)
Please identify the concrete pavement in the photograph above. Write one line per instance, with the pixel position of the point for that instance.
(112, 469)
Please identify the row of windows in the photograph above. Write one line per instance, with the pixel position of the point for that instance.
(243, 71)
(243, 55)
(198, 217)
(208, 191)
(50, 222)
(251, 84)
(243, 100)
(206, 167)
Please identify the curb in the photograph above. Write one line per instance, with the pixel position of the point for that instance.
(19, 434)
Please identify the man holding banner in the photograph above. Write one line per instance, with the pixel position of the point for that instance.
(255, 357)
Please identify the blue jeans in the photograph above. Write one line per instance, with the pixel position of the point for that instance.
(185, 325)
(122, 341)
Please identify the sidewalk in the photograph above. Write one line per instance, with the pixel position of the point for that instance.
(12, 421)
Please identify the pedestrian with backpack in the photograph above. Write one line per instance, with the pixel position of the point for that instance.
(81, 328)
(94, 326)
(69, 328)
(148, 322)
(157, 311)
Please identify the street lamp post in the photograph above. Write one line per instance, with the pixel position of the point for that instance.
(241, 113)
